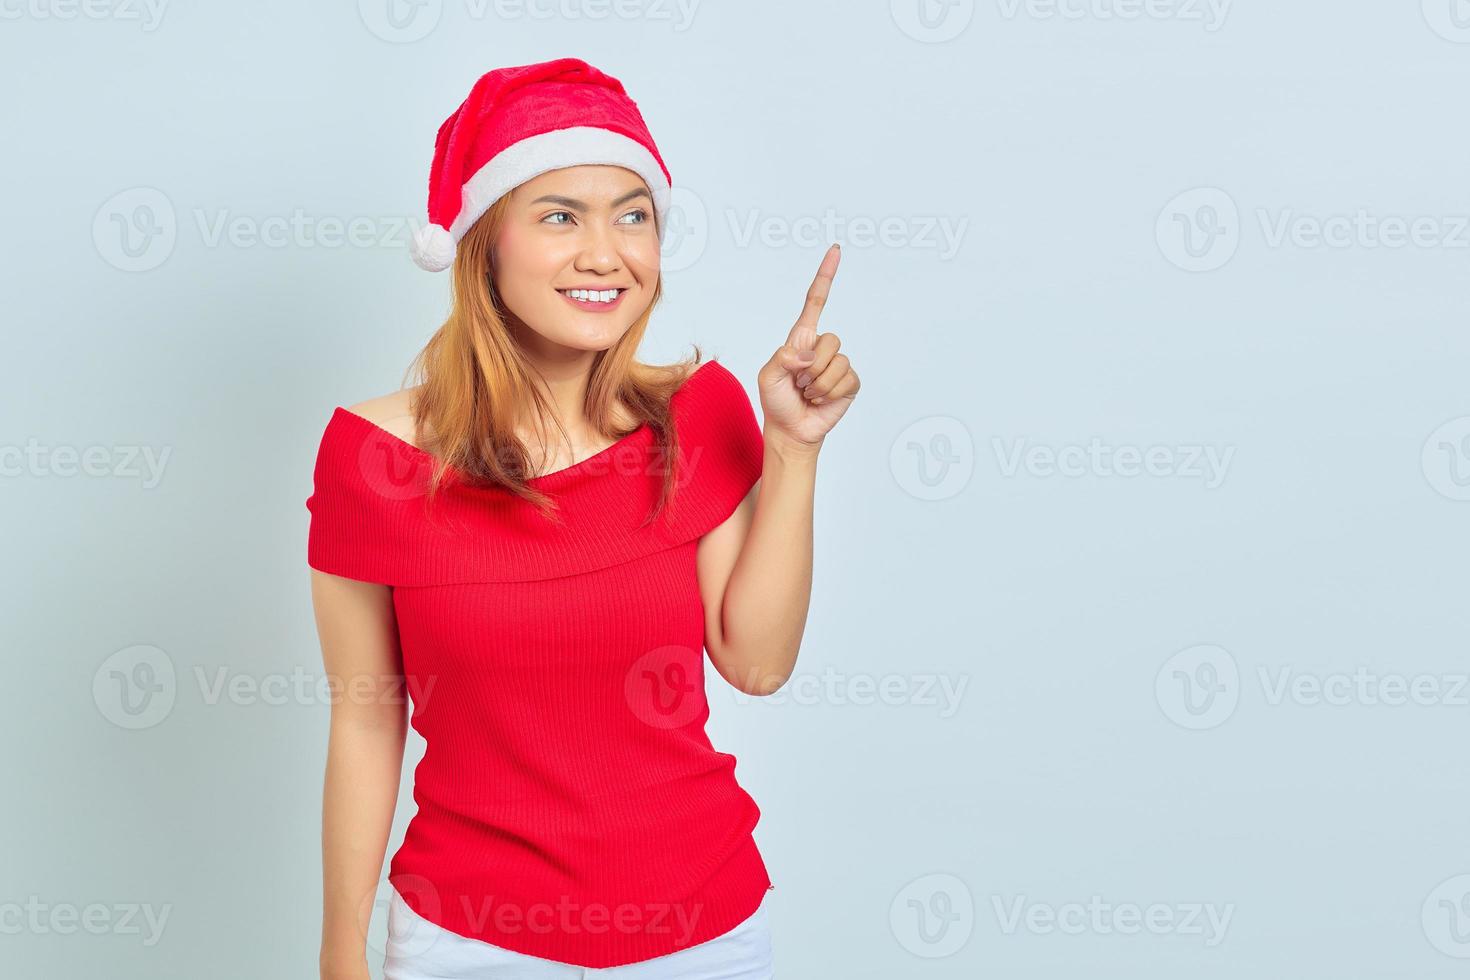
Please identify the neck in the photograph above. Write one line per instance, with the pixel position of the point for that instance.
(562, 373)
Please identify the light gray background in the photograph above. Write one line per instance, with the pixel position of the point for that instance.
(1118, 643)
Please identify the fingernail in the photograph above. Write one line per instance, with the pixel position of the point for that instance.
(806, 355)
(803, 379)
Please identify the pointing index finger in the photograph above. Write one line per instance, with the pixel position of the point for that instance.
(803, 336)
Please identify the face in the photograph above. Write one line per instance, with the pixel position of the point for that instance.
(578, 228)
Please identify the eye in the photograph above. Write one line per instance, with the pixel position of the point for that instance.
(554, 214)
(639, 213)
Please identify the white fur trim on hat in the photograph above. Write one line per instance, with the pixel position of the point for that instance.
(433, 248)
(572, 147)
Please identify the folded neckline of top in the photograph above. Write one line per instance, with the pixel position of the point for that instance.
(531, 481)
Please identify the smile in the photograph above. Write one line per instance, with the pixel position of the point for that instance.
(599, 300)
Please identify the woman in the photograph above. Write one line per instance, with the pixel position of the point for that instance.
(545, 601)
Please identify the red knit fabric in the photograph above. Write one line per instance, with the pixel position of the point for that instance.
(570, 804)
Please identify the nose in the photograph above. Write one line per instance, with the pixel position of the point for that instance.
(599, 252)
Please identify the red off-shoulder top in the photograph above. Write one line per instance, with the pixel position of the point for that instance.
(570, 803)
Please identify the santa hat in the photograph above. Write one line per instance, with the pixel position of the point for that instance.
(520, 122)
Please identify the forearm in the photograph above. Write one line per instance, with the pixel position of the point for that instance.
(769, 593)
(364, 764)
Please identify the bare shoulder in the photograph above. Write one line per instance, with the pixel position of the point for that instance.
(392, 412)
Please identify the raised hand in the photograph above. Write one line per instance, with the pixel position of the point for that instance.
(807, 385)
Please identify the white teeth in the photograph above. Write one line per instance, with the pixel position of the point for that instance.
(594, 295)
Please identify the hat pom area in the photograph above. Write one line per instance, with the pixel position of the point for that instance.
(432, 247)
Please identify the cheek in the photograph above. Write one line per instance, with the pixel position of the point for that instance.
(523, 269)
(643, 257)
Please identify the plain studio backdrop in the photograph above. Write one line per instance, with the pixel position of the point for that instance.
(1138, 640)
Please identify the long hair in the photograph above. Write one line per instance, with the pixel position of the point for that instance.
(475, 382)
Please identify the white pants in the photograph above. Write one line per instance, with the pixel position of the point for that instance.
(420, 950)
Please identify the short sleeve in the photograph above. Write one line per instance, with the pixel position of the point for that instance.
(722, 448)
(367, 495)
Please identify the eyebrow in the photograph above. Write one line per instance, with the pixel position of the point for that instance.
(572, 202)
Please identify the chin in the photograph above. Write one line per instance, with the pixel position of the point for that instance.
(593, 338)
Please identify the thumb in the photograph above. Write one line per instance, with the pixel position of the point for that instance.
(786, 363)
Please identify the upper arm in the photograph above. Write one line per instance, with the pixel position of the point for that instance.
(359, 638)
(718, 551)
(351, 594)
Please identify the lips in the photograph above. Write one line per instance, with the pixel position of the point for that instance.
(594, 306)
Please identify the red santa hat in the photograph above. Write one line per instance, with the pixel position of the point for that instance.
(520, 122)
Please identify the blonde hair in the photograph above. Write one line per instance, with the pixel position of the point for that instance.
(474, 380)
